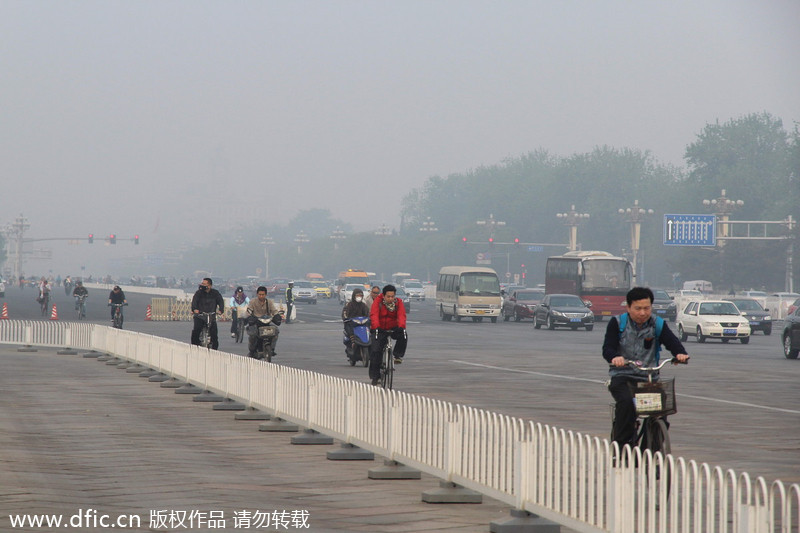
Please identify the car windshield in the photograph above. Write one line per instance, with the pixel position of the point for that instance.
(566, 301)
(661, 295)
(351, 286)
(718, 308)
(748, 305)
(479, 284)
(413, 285)
(529, 296)
(319, 284)
(304, 284)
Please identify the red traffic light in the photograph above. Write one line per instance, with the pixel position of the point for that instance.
(491, 240)
(112, 239)
(464, 240)
(516, 240)
(91, 238)
(135, 239)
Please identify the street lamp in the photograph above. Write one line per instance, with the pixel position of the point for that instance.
(635, 215)
(383, 230)
(428, 225)
(572, 218)
(300, 239)
(723, 207)
(492, 224)
(266, 242)
(337, 235)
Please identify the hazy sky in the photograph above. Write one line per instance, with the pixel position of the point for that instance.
(118, 114)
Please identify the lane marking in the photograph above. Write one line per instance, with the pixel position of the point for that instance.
(601, 382)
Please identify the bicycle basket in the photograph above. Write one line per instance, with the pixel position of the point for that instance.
(267, 331)
(657, 398)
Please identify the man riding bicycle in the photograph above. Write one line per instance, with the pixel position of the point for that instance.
(206, 300)
(635, 342)
(387, 319)
(79, 291)
(116, 296)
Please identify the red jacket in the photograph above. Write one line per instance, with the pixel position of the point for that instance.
(381, 318)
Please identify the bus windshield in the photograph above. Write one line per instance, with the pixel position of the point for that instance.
(605, 274)
(479, 284)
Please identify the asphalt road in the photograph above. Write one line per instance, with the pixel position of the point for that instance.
(737, 404)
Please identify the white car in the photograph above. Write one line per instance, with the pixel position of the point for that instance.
(346, 294)
(713, 319)
(414, 289)
(303, 291)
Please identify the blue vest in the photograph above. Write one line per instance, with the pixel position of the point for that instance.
(623, 321)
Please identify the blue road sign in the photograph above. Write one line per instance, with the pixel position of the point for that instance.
(690, 230)
(536, 248)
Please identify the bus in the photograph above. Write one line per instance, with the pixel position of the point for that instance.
(468, 291)
(352, 275)
(597, 277)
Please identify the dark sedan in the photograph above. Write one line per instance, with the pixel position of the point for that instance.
(664, 305)
(791, 335)
(563, 310)
(760, 318)
(521, 304)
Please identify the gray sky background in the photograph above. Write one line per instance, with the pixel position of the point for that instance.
(116, 115)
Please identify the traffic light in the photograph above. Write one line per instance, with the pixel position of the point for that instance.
(464, 240)
(135, 239)
(91, 238)
(516, 240)
(112, 239)
(491, 240)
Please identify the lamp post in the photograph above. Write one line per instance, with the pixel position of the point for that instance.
(337, 235)
(723, 207)
(383, 231)
(635, 215)
(428, 225)
(571, 219)
(266, 242)
(301, 238)
(492, 224)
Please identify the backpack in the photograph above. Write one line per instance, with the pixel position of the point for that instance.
(623, 321)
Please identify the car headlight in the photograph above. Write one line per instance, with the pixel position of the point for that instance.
(557, 313)
(671, 306)
(768, 317)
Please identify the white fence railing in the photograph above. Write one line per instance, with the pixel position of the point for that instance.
(573, 479)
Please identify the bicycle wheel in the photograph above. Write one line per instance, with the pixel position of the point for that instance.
(239, 330)
(387, 366)
(656, 439)
(205, 340)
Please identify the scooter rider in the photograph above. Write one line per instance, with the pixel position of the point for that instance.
(355, 307)
(260, 306)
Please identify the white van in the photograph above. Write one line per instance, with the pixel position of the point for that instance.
(468, 291)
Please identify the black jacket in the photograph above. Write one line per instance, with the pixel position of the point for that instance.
(207, 302)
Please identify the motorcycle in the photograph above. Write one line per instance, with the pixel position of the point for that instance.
(357, 348)
(267, 331)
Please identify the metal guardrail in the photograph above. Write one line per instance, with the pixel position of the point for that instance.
(580, 481)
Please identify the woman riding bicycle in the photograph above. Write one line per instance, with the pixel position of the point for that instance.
(639, 340)
(239, 299)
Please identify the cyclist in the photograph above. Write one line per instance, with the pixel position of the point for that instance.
(289, 302)
(239, 298)
(79, 290)
(206, 300)
(637, 342)
(260, 306)
(116, 296)
(387, 319)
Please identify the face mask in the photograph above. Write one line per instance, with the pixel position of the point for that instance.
(359, 298)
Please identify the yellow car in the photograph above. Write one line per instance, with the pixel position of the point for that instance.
(322, 289)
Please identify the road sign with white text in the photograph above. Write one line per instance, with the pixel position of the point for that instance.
(690, 230)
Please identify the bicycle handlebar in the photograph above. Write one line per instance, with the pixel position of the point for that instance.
(638, 364)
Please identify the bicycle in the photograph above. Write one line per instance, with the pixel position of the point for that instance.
(205, 333)
(80, 305)
(387, 364)
(654, 401)
(241, 314)
(44, 300)
(117, 316)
